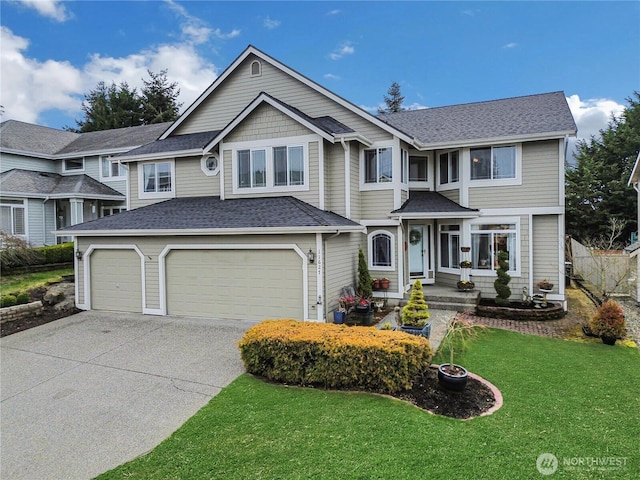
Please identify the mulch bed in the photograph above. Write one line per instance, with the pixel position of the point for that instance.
(476, 399)
(49, 314)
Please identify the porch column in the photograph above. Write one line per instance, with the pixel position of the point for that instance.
(77, 213)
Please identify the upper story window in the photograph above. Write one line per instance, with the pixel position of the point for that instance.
(256, 68)
(381, 250)
(378, 165)
(156, 179)
(275, 168)
(210, 165)
(12, 217)
(418, 169)
(449, 165)
(73, 165)
(108, 211)
(112, 169)
(492, 163)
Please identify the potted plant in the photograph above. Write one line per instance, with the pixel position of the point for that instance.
(376, 284)
(466, 285)
(465, 264)
(384, 283)
(416, 313)
(544, 285)
(608, 322)
(451, 376)
(501, 284)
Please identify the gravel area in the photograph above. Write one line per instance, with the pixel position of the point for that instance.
(631, 316)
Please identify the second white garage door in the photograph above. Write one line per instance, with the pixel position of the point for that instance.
(238, 284)
(116, 280)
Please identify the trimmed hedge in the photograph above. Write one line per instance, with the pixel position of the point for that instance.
(24, 257)
(334, 356)
(8, 301)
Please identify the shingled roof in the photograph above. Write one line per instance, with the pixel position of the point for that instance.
(428, 204)
(212, 213)
(542, 114)
(42, 184)
(177, 143)
(27, 137)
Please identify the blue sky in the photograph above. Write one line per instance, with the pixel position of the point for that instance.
(441, 53)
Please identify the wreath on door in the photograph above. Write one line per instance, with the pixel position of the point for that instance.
(415, 236)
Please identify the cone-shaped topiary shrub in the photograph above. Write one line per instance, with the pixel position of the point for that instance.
(365, 282)
(502, 282)
(609, 320)
(416, 311)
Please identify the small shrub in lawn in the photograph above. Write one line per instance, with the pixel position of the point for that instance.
(23, 298)
(609, 320)
(8, 301)
(334, 356)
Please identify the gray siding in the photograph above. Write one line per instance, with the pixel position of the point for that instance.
(453, 195)
(35, 212)
(239, 89)
(341, 266)
(541, 170)
(266, 122)
(376, 204)
(9, 161)
(334, 178)
(356, 199)
(547, 242)
(191, 181)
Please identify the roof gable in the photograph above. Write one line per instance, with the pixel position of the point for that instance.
(19, 182)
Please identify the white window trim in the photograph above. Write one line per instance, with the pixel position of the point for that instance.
(449, 185)
(440, 269)
(395, 173)
(122, 209)
(15, 206)
(492, 221)
(259, 68)
(169, 194)
(267, 145)
(428, 184)
(370, 251)
(111, 178)
(203, 165)
(73, 170)
(517, 180)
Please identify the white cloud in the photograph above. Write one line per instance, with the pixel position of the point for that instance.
(592, 115)
(270, 23)
(510, 45)
(225, 36)
(196, 30)
(331, 76)
(30, 88)
(344, 49)
(415, 106)
(48, 8)
(334, 12)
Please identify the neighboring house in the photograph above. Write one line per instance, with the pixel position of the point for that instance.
(51, 178)
(254, 203)
(634, 249)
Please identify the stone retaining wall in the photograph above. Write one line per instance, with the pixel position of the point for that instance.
(19, 312)
(553, 312)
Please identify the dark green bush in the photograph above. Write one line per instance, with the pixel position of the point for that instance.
(23, 298)
(17, 253)
(8, 301)
(334, 356)
(501, 283)
(62, 253)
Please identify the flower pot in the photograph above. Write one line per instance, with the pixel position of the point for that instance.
(363, 308)
(413, 330)
(608, 340)
(384, 284)
(452, 381)
(338, 317)
(376, 284)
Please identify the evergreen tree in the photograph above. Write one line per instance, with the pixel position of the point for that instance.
(393, 100)
(159, 99)
(596, 187)
(501, 284)
(365, 282)
(416, 312)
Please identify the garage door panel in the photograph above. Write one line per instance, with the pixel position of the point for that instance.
(116, 280)
(252, 284)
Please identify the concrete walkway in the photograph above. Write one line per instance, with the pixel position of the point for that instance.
(84, 394)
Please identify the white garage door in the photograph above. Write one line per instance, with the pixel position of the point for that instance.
(238, 284)
(116, 280)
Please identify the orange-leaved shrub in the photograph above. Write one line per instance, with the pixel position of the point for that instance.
(608, 320)
(334, 356)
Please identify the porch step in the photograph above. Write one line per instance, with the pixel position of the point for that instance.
(446, 298)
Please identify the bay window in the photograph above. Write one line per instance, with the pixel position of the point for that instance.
(271, 168)
(449, 246)
(111, 169)
(418, 168)
(378, 165)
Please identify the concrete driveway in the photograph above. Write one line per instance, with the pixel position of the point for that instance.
(86, 393)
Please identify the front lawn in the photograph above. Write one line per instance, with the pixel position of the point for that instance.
(580, 402)
(26, 281)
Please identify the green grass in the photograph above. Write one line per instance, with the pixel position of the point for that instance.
(574, 400)
(27, 281)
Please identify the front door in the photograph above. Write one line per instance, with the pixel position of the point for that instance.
(420, 261)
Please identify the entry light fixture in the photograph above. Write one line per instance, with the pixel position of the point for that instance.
(311, 256)
(78, 254)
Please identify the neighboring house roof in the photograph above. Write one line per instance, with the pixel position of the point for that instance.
(211, 213)
(27, 183)
(27, 137)
(178, 143)
(429, 204)
(543, 115)
(115, 139)
(635, 173)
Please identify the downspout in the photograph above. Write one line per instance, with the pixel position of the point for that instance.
(347, 179)
(127, 184)
(44, 219)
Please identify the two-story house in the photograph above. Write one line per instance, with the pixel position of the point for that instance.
(255, 202)
(51, 179)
